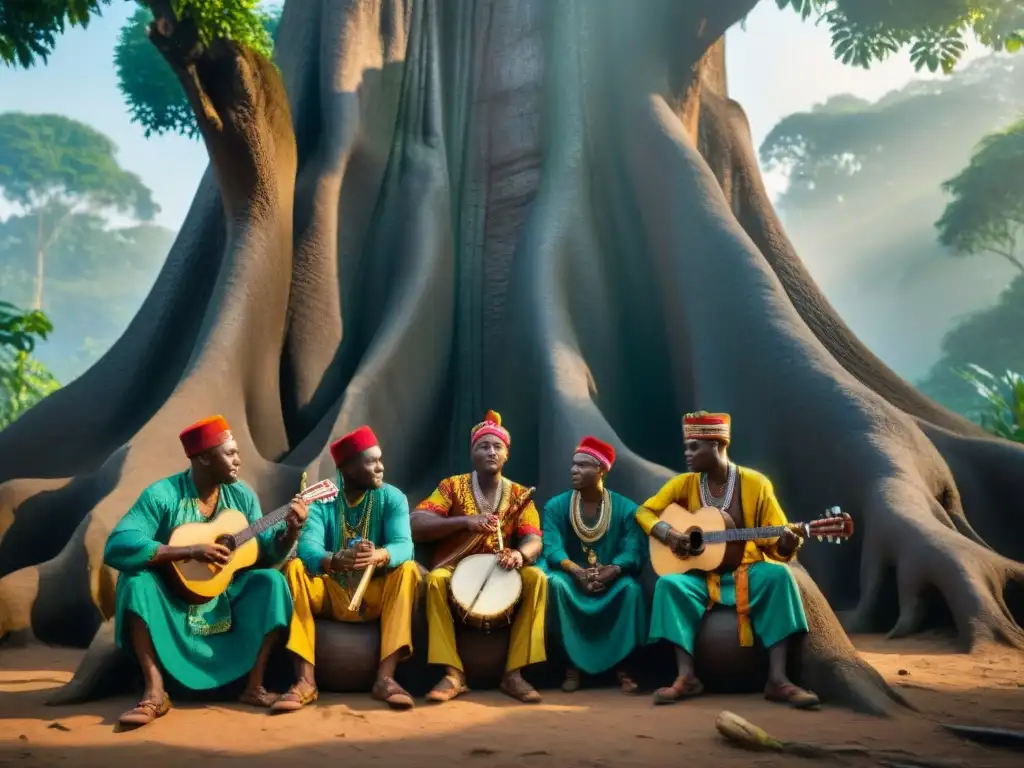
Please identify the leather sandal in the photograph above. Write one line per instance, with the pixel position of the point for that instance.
(520, 690)
(683, 688)
(571, 683)
(145, 712)
(298, 696)
(794, 695)
(386, 689)
(626, 683)
(258, 697)
(447, 689)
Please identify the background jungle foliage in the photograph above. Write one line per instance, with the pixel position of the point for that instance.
(908, 212)
(868, 183)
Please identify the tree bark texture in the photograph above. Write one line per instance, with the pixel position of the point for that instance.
(547, 207)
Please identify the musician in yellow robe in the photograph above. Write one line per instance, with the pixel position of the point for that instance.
(765, 593)
(461, 516)
(367, 524)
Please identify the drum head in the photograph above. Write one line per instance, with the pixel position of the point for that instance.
(502, 590)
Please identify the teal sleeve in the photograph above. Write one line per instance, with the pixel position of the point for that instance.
(633, 545)
(313, 539)
(554, 545)
(132, 543)
(396, 527)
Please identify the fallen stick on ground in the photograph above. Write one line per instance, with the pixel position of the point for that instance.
(745, 734)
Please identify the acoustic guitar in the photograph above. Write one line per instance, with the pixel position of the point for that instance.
(197, 582)
(716, 544)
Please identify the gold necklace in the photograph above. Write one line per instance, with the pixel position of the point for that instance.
(590, 535)
(361, 528)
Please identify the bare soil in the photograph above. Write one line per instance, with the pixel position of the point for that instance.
(590, 728)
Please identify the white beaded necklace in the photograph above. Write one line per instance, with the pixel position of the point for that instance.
(707, 499)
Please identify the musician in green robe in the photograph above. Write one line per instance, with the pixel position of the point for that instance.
(593, 552)
(209, 645)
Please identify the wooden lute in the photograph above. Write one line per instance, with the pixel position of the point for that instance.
(716, 544)
(197, 582)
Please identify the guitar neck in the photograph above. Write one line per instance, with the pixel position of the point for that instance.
(265, 522)
(743, 534)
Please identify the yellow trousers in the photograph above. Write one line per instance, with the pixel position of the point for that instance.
(390, 597)
(527, 642)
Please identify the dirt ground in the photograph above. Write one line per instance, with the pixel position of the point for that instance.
(589, 729)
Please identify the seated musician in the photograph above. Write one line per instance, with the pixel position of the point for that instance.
(765, 594)
(461, 516)
(209, 645)
(366, 524)
(593, 551)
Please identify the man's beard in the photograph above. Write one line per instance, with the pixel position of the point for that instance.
(360, 485)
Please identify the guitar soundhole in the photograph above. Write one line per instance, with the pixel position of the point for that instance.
(227, 541)
(696, 541)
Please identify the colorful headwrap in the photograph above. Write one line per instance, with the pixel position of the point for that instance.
(355, 442)
(707, 426)
(204, 435)
(597, 449)
(491, 425)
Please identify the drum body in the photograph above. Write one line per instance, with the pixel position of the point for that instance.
(495, 606)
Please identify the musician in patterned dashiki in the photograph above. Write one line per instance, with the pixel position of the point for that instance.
(209, 645)
(764, 593)
(366, 524)
(593, 553)
(461, 516)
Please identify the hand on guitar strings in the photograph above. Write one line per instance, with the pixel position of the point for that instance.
(678, 543)
(482, 524)
(510, 559)
(215, 554)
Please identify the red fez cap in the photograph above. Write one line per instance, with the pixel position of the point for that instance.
(356, 441)
(597, 449)
(204, 435)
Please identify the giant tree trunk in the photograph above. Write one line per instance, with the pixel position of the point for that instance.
(548, 207)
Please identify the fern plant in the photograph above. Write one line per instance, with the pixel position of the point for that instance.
(1004, 398)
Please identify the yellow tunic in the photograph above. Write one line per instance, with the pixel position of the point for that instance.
(454, 496)
(760, 509)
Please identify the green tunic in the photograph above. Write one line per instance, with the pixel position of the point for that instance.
(388, 526)
(597, 631)
(209, 645)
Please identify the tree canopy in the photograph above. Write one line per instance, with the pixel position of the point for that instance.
(153, 93)
(935, 31)
(97, 278)
(986, 213)
(54, 167)
(848, 146)
(864, 192)
(989, 338)
(29, 29)
(47, 159)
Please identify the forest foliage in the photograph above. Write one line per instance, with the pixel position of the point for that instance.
(24, 381)
(933, 32)
(865, 186)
